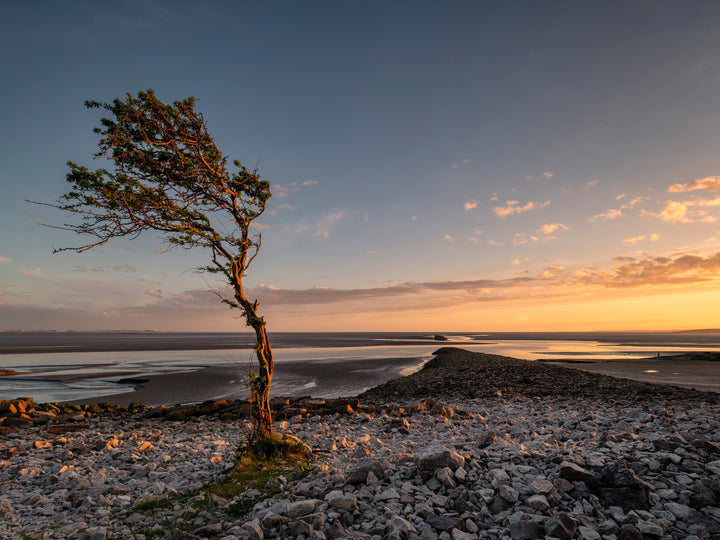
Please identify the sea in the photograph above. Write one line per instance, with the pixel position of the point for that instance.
(66, 366)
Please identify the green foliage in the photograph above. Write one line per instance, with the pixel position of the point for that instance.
(169, 176)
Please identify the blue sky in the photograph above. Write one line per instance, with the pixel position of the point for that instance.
(435, 166)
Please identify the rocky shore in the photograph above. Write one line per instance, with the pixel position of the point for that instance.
(472, 446)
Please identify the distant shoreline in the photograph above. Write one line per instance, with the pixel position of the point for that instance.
(82, 342)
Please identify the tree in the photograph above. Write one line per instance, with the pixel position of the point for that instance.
(170, 177)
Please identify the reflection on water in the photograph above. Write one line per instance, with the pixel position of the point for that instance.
(64, 376)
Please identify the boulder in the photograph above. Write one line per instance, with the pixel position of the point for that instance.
(436, 456)
(573, 472)
(561, 526)
(621, 487)
(359, 475)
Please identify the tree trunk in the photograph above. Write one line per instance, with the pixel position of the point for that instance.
(260, 383)
(262, 416)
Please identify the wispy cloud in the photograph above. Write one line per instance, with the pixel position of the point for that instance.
(275, 210)
(551, 271)
(155, 293)
(5, 259)
(280, 191)
(259, 226)
(324, 226)
(513, 207)
(653, 237)
(520, 239)
(495, 243)
(711, 183)
(448, 238)
(35, 273)
(550, 228)
(612, 213)
(463, 162)
(125, 268)
(470, 205)
(547, 174)
(591, 183)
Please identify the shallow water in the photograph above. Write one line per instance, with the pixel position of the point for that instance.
(64, 376)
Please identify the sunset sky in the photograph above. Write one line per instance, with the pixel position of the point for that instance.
(436, 166)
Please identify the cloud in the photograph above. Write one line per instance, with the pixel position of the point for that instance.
(470, 205)
(324, 295)
(637, 202)
(711, 183)
(705, 202)
(124, 268)
(547, 175)
(274, 211)
(647, 275)
(463, 162)
(473, 240)
(495, 243)
(682, 212)
(591, 183)
(5, 259)
(154, 293)
(635, 239)
(675, 212)
(513, 208)
(36, 273)
(551, 271)
(655, 271)
(413, 218)
(550, 228)
(259, 226)
(522, 239)
(610, 214)
(530, 177)
(322, 226)
(448, 238)
(621, 196)
(279, 191)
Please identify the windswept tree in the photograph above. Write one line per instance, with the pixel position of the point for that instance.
(170, 177)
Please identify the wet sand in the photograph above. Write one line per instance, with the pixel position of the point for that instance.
(333, 378)
(685, 371)
(319, 378)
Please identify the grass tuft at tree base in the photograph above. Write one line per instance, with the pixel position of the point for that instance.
(273, 448)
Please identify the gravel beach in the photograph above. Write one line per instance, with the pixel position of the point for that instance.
(471, 446)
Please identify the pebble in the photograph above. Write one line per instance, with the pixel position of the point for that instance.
(558, 467)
